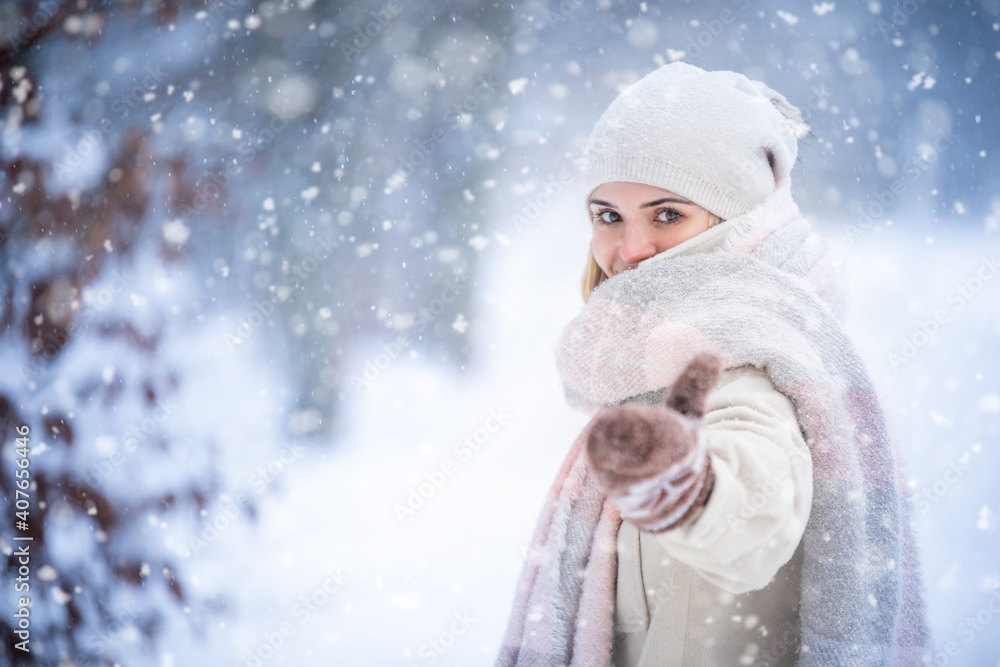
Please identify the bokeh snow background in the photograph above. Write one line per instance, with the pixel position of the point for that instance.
(263, 511)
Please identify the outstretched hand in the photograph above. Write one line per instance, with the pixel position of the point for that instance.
(653, 462)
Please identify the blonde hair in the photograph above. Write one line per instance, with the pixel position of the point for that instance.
(593, 275)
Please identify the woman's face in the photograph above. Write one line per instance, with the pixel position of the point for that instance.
(634, 221)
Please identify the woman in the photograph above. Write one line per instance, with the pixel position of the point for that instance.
(735, 498)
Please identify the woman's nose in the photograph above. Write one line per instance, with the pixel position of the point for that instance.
(637, 244)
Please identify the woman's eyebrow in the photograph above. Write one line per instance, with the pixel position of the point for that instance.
(673, 200)
(601, 202)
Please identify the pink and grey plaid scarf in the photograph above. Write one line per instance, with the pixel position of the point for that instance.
(770, 297)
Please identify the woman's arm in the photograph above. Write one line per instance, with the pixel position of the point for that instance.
(762, 493)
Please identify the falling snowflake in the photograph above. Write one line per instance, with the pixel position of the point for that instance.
(176, 232)
(517, 86)
(788, 17)
(984, 518)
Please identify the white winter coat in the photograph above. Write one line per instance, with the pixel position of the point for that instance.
(724, 588)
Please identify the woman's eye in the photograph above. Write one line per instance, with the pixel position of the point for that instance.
(667, 215)
(608, 217)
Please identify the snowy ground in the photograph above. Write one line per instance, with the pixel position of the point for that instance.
(333, 575)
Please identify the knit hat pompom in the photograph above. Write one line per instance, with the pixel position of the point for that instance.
(717, 138)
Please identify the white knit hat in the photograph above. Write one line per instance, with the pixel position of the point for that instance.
(717, 138)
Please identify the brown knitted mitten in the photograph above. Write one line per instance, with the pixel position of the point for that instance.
(653, 462)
